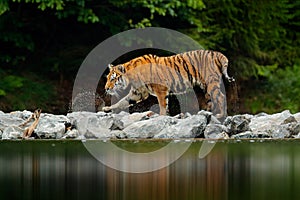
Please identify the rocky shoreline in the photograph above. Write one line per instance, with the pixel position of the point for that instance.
(88, 125)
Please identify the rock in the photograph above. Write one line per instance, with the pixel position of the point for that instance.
(284, 130)
(100, 125)
(7, 120)
(125, 119)
(215, 131)
(12, 132)
(149, 128)
(297, 117)
(276, 125)
(294, 128)
(92, 125)
(243, 135)
(51, 126)
(279, 131)
(71, 134)
(205, 113)
(263, 123)
(250, 135)
(94, 120)
(118, 134)
(97, 133)
(50, 129)
(238, 123)
(190, 127)
(81, 137)
(25, 114)
(104, 120)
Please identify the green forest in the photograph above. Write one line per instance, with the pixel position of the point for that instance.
(44, 42)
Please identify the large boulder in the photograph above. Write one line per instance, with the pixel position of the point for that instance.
(51, 126)
(8, 119)
(238, 123)
(279, 125)
(149, 128)
(125, 119)
(189, 127)
(92, 125)
(216, 131)
(10, 124)
(12, 132)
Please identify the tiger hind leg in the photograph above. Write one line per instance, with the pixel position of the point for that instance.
(217, 104)
(161, 92)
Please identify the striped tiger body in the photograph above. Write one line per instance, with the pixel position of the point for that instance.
(158, 76)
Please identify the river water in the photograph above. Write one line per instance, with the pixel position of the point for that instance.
(234, 169)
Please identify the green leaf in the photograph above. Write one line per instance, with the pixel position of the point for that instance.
(2, 92)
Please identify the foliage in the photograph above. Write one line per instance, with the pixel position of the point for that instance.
(52, 37)
(280, 90)
(10, 83)
(251, 33)
(17, 92)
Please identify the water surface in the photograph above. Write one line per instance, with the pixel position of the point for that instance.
(250, 169)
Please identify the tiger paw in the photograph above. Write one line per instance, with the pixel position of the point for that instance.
(106, 109)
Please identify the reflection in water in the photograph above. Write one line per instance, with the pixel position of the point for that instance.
(233, 170)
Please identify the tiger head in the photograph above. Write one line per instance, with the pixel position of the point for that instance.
(115, 79)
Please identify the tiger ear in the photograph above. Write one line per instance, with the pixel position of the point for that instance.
(121, 68)
(110, 66)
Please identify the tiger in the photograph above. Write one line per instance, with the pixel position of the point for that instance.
(159, 76)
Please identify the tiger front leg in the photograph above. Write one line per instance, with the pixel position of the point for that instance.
(122, 104)
(134, 95)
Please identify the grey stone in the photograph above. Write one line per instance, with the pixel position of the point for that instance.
(80, 137)
(25, 114)
(205, 113)
(243, 135)
(97, 133)
(104, 120)
(215, 131)
(92, 125)
(51, 126)
(190, 127)
(294, 128)
(7, 120)
(124, 119)
(238, 123)
(118, 134)
(71, 134)
(277, 125)
(94, 120)
(50, 129)
(149, 128)
(54, 118)
(279, 131)
(297, 116)
(284, 130)
(12, 132)
(250, 135)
